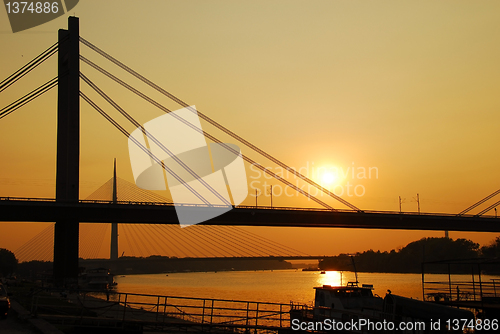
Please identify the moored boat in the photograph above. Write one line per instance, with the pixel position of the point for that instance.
(97, 279)
(352, 305)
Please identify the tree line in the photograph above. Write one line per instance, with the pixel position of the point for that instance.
(409, 258)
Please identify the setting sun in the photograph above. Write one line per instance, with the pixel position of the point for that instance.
(329, 178)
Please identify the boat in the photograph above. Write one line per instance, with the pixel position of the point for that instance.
(337, 301)
(97, 279)
(352, 302)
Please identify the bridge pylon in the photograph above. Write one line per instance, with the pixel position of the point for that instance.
(66, 232)
(114, 226)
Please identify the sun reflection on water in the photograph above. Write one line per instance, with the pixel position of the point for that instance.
(334, 278)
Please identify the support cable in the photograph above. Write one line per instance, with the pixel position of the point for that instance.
(145, 241)
(87, 239)
(194, 247)
(245, 250)
(221, 245)
(124, 232)
(103, 192)
(104, 230)
(181, 233)
(261, 250)
(96, 233)
(240, 242)
(209, 136)
(479, 203)
(38, 242)
(215, 124)
(164, 229)
(153, 237)
(48, 254)
(83, 246)
(128, 196)
(487, 209)
(32, 248)
(153, 139)
(136, 240)
(148, 195)
(144, 149)
(255, 244)
(200, 235)
(198, 232)
(128, 233)
(166, 244)
(207, 241)
(6, 83)
(265, 241)
(28, 97)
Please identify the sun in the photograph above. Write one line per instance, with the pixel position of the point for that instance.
(329, 178)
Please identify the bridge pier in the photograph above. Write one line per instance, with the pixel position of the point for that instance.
(114, 226)
(66, 232)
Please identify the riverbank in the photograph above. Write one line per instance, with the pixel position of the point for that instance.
(20, 321)
(158, 264)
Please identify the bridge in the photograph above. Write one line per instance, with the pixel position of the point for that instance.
(68, 210)
(49, 210)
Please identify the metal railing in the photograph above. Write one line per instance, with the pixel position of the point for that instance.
(160, 312)
(461, 290)
(206, 310)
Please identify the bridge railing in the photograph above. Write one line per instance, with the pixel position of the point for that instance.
(250, 207)
(29, 199)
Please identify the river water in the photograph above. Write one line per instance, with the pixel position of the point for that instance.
(281, 286)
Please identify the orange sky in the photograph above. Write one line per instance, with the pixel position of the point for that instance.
(409, 88)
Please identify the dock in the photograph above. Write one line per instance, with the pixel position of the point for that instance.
(140, 313)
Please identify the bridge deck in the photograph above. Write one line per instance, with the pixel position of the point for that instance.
(48, 210)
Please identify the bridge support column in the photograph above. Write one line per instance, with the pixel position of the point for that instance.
(66, 233)
(114, 226)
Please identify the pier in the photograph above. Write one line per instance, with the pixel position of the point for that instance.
(139, 313)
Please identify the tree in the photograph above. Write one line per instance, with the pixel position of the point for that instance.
(408, 259)
(492, 250)
(8, 262)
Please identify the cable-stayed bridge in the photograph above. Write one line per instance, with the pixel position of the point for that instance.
(199, 242)
(67, 210)
(140, 240)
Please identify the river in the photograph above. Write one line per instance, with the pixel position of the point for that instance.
(280, 286)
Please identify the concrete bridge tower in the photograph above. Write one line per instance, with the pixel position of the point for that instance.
(66, 231)
(114, 226)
